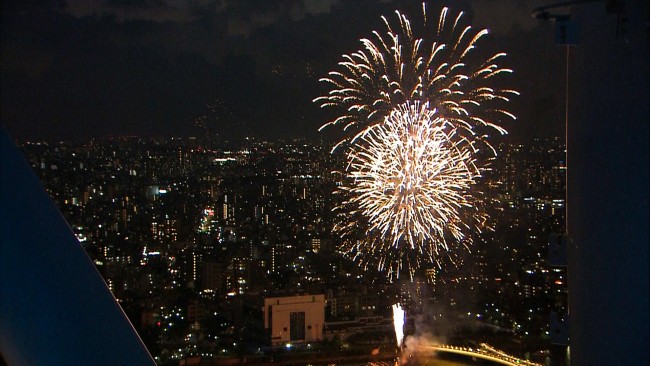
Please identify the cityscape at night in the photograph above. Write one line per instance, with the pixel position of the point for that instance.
(192, 237)
(324, 182)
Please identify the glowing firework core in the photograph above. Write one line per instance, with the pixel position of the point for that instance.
(411, 177)
(398, 323)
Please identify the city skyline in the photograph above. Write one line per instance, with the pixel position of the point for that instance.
(182, 230)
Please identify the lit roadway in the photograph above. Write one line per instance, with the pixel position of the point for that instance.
(485, 352)
(385, 358)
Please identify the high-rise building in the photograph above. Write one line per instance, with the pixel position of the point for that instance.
(213, 277)
(315, 245)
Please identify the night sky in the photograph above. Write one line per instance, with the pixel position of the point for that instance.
(79, 69)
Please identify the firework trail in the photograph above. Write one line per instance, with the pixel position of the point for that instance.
(396, 66)
(408, 183)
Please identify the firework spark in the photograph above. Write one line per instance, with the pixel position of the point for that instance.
(396, 67)
(409, 179)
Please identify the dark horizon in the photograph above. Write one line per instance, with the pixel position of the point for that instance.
(72, 71)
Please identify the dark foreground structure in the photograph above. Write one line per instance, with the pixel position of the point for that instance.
(55, 308)
(608, 186)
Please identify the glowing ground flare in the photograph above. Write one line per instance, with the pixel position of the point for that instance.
(398, 323)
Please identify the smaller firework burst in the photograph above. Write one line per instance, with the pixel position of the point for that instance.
(433, 63)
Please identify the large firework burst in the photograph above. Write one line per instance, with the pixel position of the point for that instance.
(436, 68)
(409, 179)
(416, 115)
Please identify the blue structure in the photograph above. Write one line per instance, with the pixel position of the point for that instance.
(608, 187)
(55, 308)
